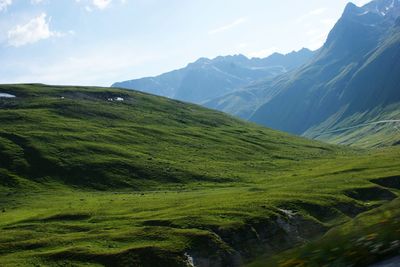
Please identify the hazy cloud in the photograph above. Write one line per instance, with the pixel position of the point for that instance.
(4, 4)
(87, 67)
(263, 52)
(228, 26)
(312, 13)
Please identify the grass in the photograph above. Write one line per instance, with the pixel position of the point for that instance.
(147, 181)
(371, 237)
(78, 137)
(364, 135)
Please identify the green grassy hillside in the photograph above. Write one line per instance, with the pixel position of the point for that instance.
(78, 137)
(377, 128)
(86, 180)
(371, 237)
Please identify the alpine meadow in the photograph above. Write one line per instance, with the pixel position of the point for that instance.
(287, 159)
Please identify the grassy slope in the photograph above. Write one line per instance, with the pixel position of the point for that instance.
(379, 71)
(365, 136)
(173, 178)
(371, 237)
(142, 142)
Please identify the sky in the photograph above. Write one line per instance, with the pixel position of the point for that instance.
(99, 42)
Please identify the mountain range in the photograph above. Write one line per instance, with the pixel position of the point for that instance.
(210, 78)
(342, 93)
(353, 80)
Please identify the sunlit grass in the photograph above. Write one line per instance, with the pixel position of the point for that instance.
(88, 181)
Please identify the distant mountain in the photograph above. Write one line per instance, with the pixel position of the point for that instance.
(354, 79)
(210, 78)
(245, 101)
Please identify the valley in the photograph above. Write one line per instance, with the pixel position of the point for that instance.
(265, 192)
(351, 80)
(254, 158)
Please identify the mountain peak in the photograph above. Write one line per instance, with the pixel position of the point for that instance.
(351, 9)
(383, 7)
(304, 50)
(202, 60)
(236, 58)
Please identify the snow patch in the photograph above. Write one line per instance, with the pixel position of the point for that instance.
(364, 13)
(5, 95)
(119, 99)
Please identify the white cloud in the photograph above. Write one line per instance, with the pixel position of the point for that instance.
(317, 35)
(262, 53)
(317, 11)
(228, 26)
(96, 66)
(328, 22)
(91, 5)
(101, 4)
(242, 45)
(316, 41)
(95, 4)
(35, 2)
(312, 13)
(4, 4)
(35, 30)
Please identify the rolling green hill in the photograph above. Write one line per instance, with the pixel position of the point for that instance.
(109, 177)
(85, 137)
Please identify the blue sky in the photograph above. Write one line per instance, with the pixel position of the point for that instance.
(98, 42)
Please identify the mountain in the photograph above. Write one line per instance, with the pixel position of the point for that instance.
(353, 80)
(210, 78)
(245, 101)
(109, 177)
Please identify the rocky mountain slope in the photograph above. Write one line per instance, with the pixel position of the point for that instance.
(350, 85)
(353, 80)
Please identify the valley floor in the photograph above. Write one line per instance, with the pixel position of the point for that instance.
(225, 224)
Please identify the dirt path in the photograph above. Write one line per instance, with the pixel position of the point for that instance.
(362, 125)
